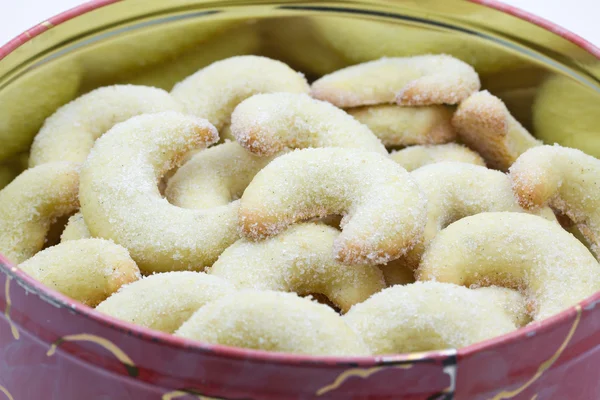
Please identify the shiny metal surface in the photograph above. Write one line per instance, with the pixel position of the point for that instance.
(550, 84)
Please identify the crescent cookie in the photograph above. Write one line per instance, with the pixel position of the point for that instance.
(70, 133)
(484, 124)
(87, 270)
(214, 91)
(567, 180)
(512, 301)
(31, 203)
(75, 229)
(166, 300)
(426, 316)
(457, 190)
(299, 260)
(409, 81)
(383, 208)
(266, 124)
(414, 157)
(406, 126)
(120, 199)
(273, 321)
(214, 177)
(550, 266)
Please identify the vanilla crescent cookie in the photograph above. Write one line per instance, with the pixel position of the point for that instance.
(266, 124)
(383, 208)
(70, 133)
(426, 316)
(87, 270)
(299, 260)
(31, 203)
(166, 300)
(75, 228)
(410, 81)
(512, 301)
(414, 157)
(214, 177)
(454, 191)
(120, 199)
(547, 264)
(406, 126)
(567, 180)
(484, 123)
(214, 91)
(273, 321)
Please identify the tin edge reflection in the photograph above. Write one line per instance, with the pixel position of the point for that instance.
(101, 36)
(568, 70)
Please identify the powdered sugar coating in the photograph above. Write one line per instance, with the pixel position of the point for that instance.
(87, 270)
(383, 208)
(413, 81)
(75, 229)
(299, 260)
(120, 199)
(273, 321)
(427, 316)
(406, 126)
(164, 301)
(457, 190)
(414, 157)
(512, 301)
(517, 250)
(214, 177)
(214, 91)
(266, 124)
(484, 124)
(31, 203)
(70, 133)
(567, 180)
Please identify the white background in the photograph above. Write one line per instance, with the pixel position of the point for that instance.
(578, 16)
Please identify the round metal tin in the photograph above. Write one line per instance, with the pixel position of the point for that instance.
(53, 347)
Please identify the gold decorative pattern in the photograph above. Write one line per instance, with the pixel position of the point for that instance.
(174, 394)
(13, 327)
(6, 392)
(107, 344)
(47, 24)
(450, 370)
(178, 393)
(509, 394)
(419, 355)
(360, 372)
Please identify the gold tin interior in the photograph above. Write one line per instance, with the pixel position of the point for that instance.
(550, 84)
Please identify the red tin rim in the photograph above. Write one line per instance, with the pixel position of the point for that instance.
(542, 22)
(51, 23)
(260, 356)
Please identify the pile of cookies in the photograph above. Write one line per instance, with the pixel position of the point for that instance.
(387, 207)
